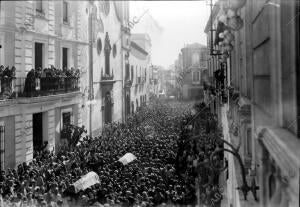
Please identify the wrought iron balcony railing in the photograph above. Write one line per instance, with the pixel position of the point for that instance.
(107, 76)
(44, 86)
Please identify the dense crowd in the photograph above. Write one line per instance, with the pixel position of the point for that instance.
(151, 134)
(199, 139)
(168, 164)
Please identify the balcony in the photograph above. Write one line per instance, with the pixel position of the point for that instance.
(6, 87)
(107, 79)
(44, 86)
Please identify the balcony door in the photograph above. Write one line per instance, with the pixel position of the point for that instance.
(38, 55)
(64, 58)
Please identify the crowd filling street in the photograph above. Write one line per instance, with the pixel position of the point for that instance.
(163, 173)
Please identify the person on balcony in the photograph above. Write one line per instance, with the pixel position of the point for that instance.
(30, 82)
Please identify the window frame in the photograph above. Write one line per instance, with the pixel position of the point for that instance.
(43, 54)
(39, 10)
(62, 57)
(67, 20)
(198, 79)
(67, 110)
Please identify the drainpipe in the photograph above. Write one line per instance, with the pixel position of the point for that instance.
(90, 68)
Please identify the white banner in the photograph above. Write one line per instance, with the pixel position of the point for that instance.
(86, 181)
(127, 158)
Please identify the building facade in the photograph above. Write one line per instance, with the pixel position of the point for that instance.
(139, 73)
(84, 48)
(110, 40)
(253, 88)
(35, 106)
(194, 63)
(153, 81)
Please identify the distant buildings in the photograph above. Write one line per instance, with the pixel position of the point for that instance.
(190, 68)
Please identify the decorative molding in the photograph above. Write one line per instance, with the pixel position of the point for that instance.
(283, 147)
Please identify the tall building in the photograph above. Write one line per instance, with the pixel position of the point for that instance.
(84, 46)
(110, 36)
(35, 106)
(254, 89)
(194, 63)
(139, 73)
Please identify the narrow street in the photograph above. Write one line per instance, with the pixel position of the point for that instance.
(149, 103)
(152, 135)
(162, 173)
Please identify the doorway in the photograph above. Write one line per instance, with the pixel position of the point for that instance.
(37, 131)
(108, 108)
(38, 55)
(64, 58)
(127, 105)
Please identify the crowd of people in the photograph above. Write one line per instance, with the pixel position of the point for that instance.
(199, 139)
(154, 135)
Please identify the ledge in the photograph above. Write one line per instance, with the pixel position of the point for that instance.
(26, 100)
(283, 146)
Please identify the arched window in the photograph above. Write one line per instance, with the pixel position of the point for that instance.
(107, 49)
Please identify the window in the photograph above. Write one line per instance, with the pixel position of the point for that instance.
(2, 138)
(195, 59)
(248, 143)
(64, 58)
(140, 72)
(107, 49)
(66, 118)
(38, 55)
(132, 74)
(136, 73)
(39, 6)
(196, 76)
(127, 71)
(65, 12)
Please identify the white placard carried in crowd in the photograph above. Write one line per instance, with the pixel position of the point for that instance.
(86, 181)
(127, 158)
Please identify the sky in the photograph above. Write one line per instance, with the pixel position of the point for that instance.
(183, 22)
